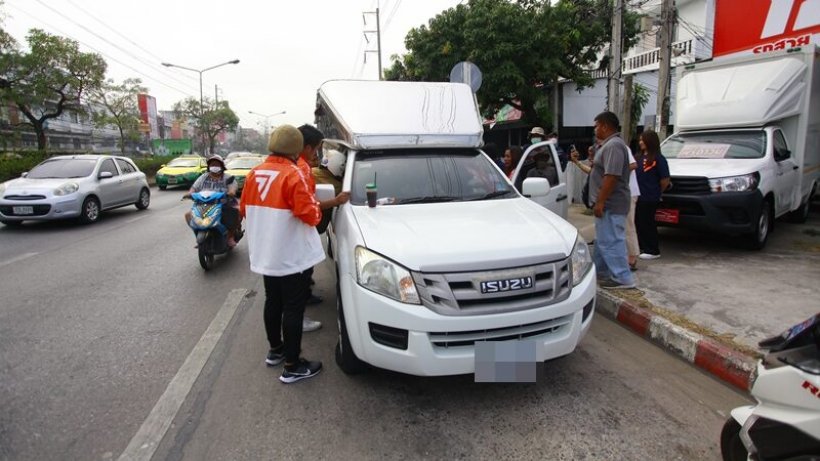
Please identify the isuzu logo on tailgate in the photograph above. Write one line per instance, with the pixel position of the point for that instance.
(498, 286)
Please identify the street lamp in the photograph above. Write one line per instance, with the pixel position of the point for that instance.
(200, 72)
(267, 117)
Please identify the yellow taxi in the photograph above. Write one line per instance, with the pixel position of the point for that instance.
(239, 167)
(181, 171)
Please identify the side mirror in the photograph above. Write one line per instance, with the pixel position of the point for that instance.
(324, 192)
(535, 187)
(105, 175)
(24, 174)
(162, 166)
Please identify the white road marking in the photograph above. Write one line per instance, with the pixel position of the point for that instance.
(146, 441)
(17, 258)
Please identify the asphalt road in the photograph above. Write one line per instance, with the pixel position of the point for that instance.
(112, 338)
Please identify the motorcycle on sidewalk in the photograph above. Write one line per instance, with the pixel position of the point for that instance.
(206, 222)
(785, 423)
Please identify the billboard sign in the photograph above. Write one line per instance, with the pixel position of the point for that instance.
(148, 114)
(760, 26)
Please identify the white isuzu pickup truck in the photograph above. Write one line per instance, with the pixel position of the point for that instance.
(444, 253)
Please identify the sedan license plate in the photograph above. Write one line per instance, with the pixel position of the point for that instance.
(667, 215)
(23, 210)
(512, 284)
(172, 180)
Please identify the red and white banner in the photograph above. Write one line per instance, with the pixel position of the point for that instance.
(759, 26)
(148, 113)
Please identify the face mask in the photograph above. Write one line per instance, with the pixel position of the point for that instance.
(215, 169)
(535, 140)
(541, 165)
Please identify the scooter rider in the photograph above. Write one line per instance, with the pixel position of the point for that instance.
(217, 180)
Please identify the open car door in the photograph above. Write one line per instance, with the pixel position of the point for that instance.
(555, 199)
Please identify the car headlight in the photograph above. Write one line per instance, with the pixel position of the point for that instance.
(581, 260)
(67, 188)
(734, 183)
(379, 274)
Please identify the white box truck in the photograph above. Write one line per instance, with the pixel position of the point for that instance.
(448, 254)
(747, 148)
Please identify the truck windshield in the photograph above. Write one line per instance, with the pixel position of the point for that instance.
(713, 145)
(427, 176)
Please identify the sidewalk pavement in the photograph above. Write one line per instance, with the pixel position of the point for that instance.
(710, 301)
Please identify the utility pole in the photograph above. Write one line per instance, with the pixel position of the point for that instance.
(626, 116)
(665, 67)
(378, 33)
(216, 95)
(615, 59)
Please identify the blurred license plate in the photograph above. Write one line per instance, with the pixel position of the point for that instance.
(667, 215)
(172, 180)
(23, 210)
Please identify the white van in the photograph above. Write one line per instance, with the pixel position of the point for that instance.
(747, 146)
(451, 254)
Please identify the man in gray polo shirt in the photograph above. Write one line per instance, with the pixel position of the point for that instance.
(610, 196)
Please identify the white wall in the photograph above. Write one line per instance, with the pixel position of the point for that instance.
(580, 108)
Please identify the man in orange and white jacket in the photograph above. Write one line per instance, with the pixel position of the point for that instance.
(281, 214)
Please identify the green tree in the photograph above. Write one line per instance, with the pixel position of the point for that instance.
(117, 105)
(49, 79)
(214, 119)
(522, 47)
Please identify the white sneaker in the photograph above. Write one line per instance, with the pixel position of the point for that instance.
(648, 256)
(309, 325)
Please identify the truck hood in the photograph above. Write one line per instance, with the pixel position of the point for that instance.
(466, 236)
(713, 168)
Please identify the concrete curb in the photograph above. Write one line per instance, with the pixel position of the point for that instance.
(725, 363)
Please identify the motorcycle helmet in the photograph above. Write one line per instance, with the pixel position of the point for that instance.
(218, 160)
(335, 161)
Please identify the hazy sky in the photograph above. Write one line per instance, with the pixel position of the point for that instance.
(286, 48)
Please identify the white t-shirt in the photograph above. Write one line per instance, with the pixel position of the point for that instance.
(634, 190)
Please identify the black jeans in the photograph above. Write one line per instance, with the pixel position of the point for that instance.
(646, 227)
(284, 310)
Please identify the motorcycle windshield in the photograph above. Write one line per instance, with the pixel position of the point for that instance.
(805, 332)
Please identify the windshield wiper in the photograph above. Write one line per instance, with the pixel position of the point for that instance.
(429, 199)
(495, 194)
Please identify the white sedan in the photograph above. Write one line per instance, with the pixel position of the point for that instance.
(76, 186)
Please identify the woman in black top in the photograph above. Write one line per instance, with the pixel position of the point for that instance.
(653, 179)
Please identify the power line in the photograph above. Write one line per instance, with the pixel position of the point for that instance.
(104, 24)
(100, 52)
(127, 52)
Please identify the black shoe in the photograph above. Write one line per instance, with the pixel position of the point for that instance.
(302, 370)
(613, 285)
(313, 299)
(275, 357)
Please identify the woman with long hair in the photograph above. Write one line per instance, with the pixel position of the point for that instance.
(511, 158)
(653, 179)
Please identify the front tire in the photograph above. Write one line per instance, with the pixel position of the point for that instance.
(144, 200)
(731, 447)
(757, 239)
(90, 212)
(345, 357)
(206, 259)
(161, 187)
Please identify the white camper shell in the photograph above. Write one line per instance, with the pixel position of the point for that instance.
(747, 144)
(451, 255)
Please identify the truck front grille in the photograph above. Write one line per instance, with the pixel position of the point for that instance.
(689, 185)
(459, 293)
(515, 332)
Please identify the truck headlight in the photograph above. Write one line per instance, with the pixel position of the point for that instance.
(734, 183)
(379, 274)
(581, 260)
(67, 188)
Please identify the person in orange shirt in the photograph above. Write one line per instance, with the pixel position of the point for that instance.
(309, 159)
(281, 214)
